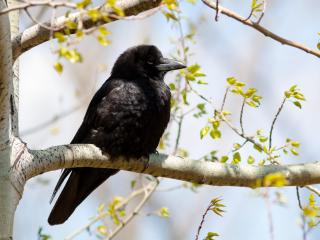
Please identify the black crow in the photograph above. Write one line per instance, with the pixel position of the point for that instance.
(127, 116)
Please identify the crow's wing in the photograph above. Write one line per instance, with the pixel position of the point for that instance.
(83, 181)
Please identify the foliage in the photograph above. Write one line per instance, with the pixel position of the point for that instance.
(43, 236)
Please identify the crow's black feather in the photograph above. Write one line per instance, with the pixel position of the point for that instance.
(127, 117)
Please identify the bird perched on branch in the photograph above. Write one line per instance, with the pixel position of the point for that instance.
(127, 116)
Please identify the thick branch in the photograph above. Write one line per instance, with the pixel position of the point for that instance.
(36, 162)
(260, 29)
(36, 34)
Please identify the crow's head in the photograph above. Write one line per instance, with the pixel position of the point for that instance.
(144, 61)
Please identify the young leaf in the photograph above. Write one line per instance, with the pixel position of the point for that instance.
(204, 131)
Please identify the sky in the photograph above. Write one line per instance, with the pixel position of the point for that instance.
(223, 49)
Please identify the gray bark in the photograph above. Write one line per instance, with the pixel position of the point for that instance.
(36, 34)
(36, 162)
(9, 197)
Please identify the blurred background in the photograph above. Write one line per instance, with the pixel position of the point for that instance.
(223, 49)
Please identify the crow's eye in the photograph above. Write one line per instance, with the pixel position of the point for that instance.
(149, 62)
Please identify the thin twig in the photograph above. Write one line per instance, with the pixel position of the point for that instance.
(298, 198)
(310, 229)
(224, 99)
(50, 28)
(241, 146)
(217, 11)
(261, 29)
(202, 221)
(185, 59)
(182, 40)
(263, 11)
(176, 145)
(29, 4)
(134, 213)
(104, 214)
(269, 211)
(241, 114)
(313, 189)
(250, 14)
(274, 121)
(304, 232)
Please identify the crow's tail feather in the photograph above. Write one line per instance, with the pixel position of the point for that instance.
(80, 184)
(64, 174)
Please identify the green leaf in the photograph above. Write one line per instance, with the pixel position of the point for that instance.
(236, 146)
(83, 4)
(249, 93)
(184, 97)
(204, 131)
(318, 45)
(194, 68)
(71, 25)
(190, 77)
(224, 159)
(58, 67)
(74, 56)
(133, 184)
(215, 134)
(231, 80)
(263, 139)
(236, 158)
(103, 31)
(256, 98)
(60, 37)
(295, 144)
(251, 104)
(253, 3)
(201, 106)
(294, 152)
(251, 159)
(172, 86)
(164, 212)
(298, 104)
(103, 41)
(42, 236)
(169, 16)
(202, 82)
(287, 94)
(299, 96)
(199, 74)
(102, 230)
(256, 147)
(215, 124)
(79, 33)
(239, 84)
(293, 88)
(211, 236)
(94, 14)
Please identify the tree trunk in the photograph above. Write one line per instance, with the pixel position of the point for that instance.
(9, 196)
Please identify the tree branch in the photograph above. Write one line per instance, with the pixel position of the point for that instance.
(29, 4)
(260, 29)
(36, 162)
(36, 34)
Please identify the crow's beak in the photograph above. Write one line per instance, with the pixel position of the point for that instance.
(169, 64)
